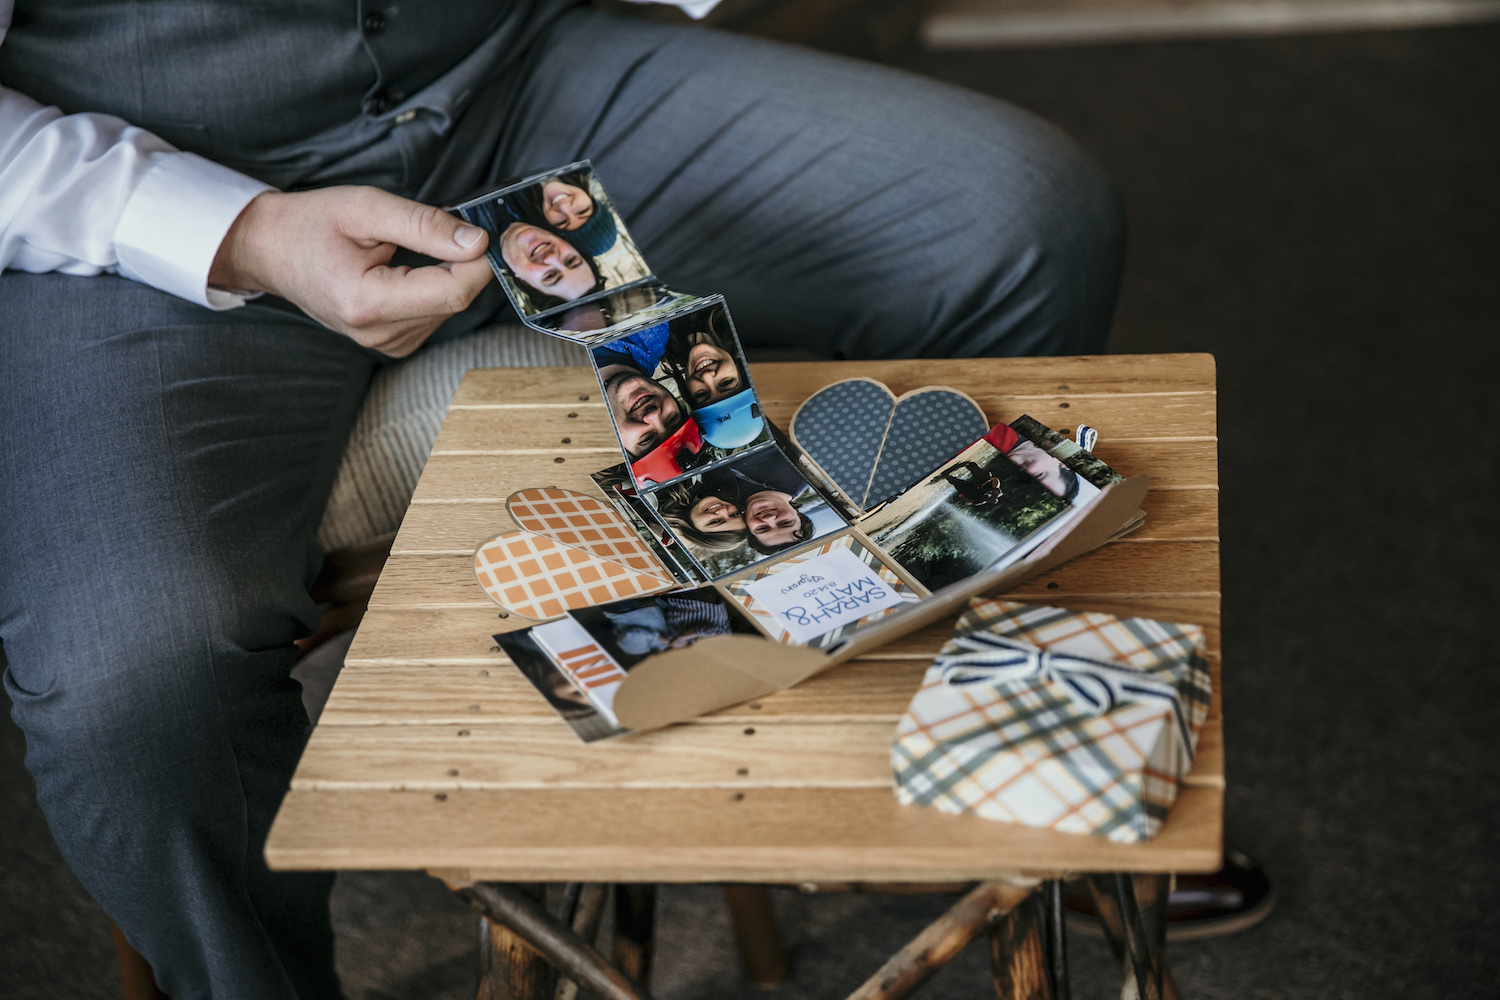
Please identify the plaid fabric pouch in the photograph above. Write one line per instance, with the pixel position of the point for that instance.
(1075, 721)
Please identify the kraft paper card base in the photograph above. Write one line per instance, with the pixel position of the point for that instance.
(729, 670)
(710, 674)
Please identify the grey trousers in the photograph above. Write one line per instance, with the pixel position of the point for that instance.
(164, 467)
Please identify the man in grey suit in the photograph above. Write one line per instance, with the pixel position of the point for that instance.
(168, 438)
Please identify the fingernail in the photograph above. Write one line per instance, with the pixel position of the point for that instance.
(467, 236)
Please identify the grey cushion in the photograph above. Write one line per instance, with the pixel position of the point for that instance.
(399, 421)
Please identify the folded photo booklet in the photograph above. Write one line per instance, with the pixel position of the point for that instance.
(728, 559)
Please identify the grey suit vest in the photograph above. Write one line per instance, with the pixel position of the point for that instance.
(295, 92)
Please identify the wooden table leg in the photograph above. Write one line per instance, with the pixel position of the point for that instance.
(585, 922)
(944, 938)
(1133, 912)
(523, 917)
(1029, 949)
(1018, 952)
(509, 967)
(635, 930)
(1057, 939)
(762, 958)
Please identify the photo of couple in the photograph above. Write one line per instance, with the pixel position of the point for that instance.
(736, 514)
(555, 240)
(679, 394)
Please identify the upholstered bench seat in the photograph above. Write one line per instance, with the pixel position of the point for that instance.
(399, 421)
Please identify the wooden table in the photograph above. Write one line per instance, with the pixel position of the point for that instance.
(434, 753)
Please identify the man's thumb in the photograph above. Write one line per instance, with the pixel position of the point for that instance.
(428, 230)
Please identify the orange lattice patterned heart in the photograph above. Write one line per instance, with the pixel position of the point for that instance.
(583, 522)
(539, 577)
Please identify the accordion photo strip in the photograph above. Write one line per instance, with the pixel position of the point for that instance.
(878, 514)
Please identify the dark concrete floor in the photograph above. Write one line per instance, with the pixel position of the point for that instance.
(1321, 214)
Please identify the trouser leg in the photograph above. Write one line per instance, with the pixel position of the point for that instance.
(845, 207)
(164, 471)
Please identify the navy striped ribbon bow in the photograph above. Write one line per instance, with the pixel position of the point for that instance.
(1095, 687)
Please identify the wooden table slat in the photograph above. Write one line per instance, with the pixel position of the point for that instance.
(1109, 374)
(460, 527)
(501, 429)
(706, 835)
(469, 477)
(775, 752)
(463, 635)
(410, 581)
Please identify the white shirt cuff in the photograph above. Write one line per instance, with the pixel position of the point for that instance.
(696, 9)
(174, 222)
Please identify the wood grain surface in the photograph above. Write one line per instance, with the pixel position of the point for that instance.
(433, 752)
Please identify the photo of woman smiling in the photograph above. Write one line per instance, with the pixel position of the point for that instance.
(702, 357)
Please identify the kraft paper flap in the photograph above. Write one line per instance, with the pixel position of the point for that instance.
(1096, 524)
(710, 674)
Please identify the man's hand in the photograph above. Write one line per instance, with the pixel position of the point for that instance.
(326, 251)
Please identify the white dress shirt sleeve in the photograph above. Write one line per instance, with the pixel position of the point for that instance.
(88, 194)
(695, 9)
